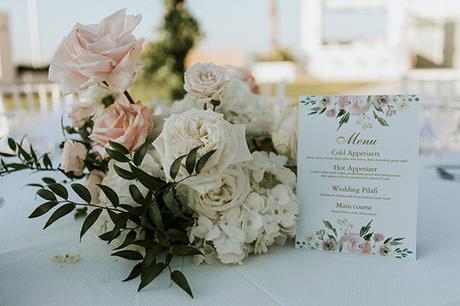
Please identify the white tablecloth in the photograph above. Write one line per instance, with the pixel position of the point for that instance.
(286, 276)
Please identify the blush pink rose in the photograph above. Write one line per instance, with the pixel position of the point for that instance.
(355, 105)
(352, 242)
(80, 113)
(90, 54)
(366, 248)
(123, 123)
(378, 237)
(73, 157)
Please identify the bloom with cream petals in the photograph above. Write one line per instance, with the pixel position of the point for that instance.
(205, 82)
(209, 131)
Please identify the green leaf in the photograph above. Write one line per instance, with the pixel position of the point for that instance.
(47, 161)
(110, 194)
(203, 160)
(155, 215)
(46, 194)
(367, 237)
(170, 202)
(59, 189)
(127, 175)
(118, 147)
(146, 179)
(176, 166)
(184, 250)
(35, 185)
(119, 219)
(135, 272)
(152, 253)
(82, 192)
(149, 274)
(120, 157)
(382, 121)
(24, 154)
(140, 154)
(180, 280)
(17, 166)
(90, 220)
(177, 235)
(129, 254)
(42, 209)
(136, 194)
(109, 236)
(191, 160)
(12, 144)
(328, 225)
(129, 239)
(341, 113)
(59, 213)
(48, 180)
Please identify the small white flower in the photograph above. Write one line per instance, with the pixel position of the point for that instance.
(230, 244)
(287, 205)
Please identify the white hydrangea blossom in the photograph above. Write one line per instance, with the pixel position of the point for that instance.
(264, 217)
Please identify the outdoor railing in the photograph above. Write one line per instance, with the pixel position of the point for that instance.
(42, 97)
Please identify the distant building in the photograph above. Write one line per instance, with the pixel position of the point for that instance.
(379, 39)
(7, 68)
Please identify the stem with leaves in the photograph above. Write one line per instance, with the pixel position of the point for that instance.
(155, 230)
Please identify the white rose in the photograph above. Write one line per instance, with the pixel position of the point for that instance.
(284, 135)
(232, 191)
(209, 131)
(90, 54)
(205, 81)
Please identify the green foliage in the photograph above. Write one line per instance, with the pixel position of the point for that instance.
(164, 59)
(157, 226)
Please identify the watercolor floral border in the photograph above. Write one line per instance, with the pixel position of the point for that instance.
(366, 109)
(342, 239)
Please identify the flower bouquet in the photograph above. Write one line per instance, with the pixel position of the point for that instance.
(203, 181)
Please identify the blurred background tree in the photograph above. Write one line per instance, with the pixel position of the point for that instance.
(164, 58)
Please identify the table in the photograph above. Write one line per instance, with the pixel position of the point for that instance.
(287, 276)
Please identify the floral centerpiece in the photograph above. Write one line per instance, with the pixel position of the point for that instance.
(205, 181)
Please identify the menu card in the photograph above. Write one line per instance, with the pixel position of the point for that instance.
(357, 174)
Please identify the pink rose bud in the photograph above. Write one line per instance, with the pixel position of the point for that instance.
(73, 157)
(80, 113)
(123, 123)
(378, 237)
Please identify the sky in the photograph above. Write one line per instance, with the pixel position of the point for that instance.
(228, 24)
(239, 25)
